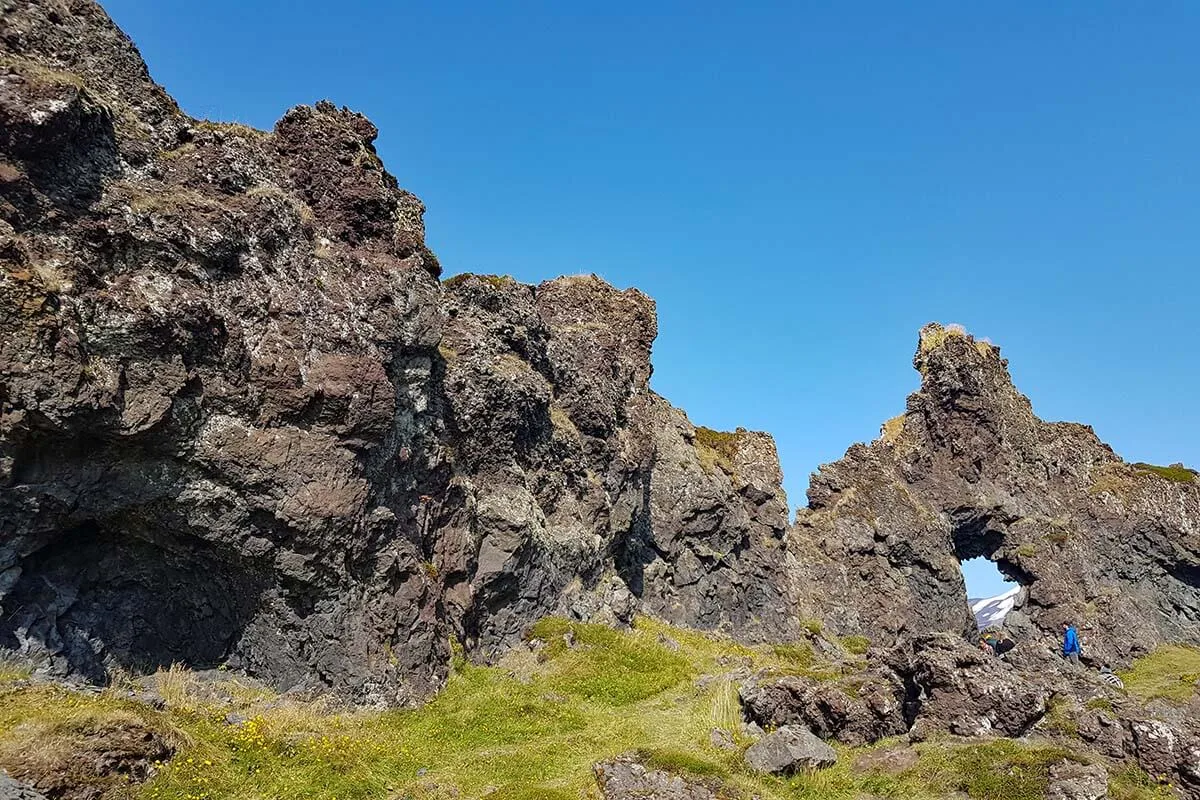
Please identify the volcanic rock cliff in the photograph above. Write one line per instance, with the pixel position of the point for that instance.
(242, 422)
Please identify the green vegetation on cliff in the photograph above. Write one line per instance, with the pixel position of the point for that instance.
(716, 449)
(1176, 472)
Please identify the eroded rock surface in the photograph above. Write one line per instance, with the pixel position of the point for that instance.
(625, 779)
(242, 422)
(11, 789)
(788, 750)
(969, 471)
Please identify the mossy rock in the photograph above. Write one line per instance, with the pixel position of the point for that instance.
(495, 281)
(716, 450)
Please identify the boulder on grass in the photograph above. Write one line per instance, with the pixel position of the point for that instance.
(789, 750)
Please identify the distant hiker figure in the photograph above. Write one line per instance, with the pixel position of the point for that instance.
(1111, 678)
(1070, 646)
(1003, 644)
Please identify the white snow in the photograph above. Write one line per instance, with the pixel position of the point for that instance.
(990, 611)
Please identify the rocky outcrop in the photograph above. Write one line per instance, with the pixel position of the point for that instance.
(969, 471)
(858, 709)
(625, 779)
(578, 490)
(1070, 780)
(965, 692)
(242, 422)
(87, 757)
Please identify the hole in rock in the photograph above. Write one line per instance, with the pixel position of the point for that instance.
(990, 593)
(94, 599)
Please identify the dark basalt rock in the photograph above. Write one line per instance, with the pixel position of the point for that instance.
(855, 710)
(11, 789)
(968, 471)
(242, 423)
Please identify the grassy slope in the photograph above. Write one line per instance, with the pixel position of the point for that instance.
(530, 727)
(1170, 673)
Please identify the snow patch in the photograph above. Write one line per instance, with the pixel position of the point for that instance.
(990, 611)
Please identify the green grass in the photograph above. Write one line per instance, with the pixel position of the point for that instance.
(682, 763)
(1061, 717)
(606, 666)
(856, 644)
(1169, 673)
(528, 728)
(716, 449)
(11, 671)
(1002, 769)
(1132, 783)
(1176, 472)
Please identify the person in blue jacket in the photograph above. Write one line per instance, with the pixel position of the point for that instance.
(1070, 646)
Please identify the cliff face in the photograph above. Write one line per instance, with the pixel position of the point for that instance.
(969, 471)
(242, 422)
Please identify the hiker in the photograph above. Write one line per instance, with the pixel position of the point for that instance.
(1003, 644)
(1070, 645)
(1111, 678)
(985, 646)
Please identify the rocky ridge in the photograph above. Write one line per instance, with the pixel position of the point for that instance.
(243, 423)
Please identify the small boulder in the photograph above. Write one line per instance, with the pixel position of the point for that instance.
(722, 739)
(1070, 780)
(788, 750)
(624, 779)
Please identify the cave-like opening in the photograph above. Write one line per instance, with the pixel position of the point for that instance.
(97, 598)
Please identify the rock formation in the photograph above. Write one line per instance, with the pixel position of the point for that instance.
(969, 471)
(242, 422)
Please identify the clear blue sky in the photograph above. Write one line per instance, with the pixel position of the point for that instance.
(800, 186)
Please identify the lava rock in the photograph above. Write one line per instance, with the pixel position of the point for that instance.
(1070, 780)
(788, 750)
(628, 780)
(11, 789)
(856, 710)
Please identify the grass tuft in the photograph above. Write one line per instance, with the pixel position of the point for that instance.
(495, 281)
(856, 645)
(606, 666)
(1002, 769)
(716, 450)
(679, 762)
(1133, 783)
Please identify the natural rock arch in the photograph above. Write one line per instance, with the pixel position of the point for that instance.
(969, 470)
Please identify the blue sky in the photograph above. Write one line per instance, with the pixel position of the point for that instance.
(800, 186)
